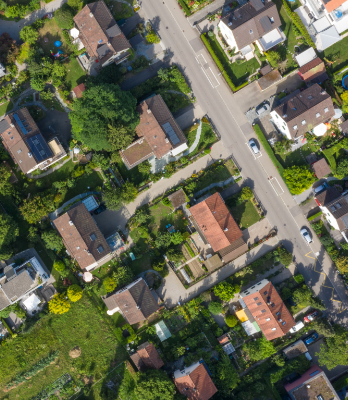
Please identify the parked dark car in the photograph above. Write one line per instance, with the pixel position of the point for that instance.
(100, 209)
(311, 338)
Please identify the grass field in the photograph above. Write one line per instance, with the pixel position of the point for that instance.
(6, 107)
(338, 53)
(76, 74)
(48, 34)
(206, 140)
(245, 214)
(53, 104)
(82, 326)
(121, 10)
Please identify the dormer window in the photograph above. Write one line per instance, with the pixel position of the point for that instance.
(326, 109)
(100, 249)
(251, 31)
(317, 115)
(93, 237)
(303, 122)
(272, 19)
(310, 97)
(294, 127)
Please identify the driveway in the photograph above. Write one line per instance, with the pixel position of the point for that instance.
(110, 221)
(56, 123)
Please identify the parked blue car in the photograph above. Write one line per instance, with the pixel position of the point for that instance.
(310, 339)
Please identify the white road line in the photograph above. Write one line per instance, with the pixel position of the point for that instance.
(207, 77)
(197, 60)
(278, 185)
(204, 58)
(218, 83)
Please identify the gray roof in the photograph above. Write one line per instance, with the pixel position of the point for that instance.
(9, 272)
(18, 286)
(103, 50)
(4, 302)
(4, 125)
(113, 31)
(328, 196)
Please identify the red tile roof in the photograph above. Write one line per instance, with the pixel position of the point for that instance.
(269, 311)
(149, 355)
(197, 385)
(307, 67)
(216, 222)
(312, 70)
(79, 89)
(321, 168)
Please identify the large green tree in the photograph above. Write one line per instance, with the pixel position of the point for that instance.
(154, 385)
(298, 179)
(5, 186)
(342, 168)
(334, 351)
(225, 290)
(303, 295)
(64, 17)
(101, 106)
(226, 374)
(259, 349)
(52, 239)
(35, 208)
(123, 275)
(120, 137)
(8, 234)
(29, 34)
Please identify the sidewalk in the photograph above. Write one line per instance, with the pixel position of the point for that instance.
(211, 8)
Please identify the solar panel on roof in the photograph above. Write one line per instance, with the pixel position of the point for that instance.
(20, 124)
(39, 147)
(171, 134)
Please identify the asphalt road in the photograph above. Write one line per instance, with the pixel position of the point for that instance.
(216, 99)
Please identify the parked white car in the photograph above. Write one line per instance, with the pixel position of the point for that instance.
(306, 235)
(253, 146)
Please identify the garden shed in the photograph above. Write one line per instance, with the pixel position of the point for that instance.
(162, 331)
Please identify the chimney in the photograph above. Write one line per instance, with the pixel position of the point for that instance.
(226, 229)
(71, 223)
(91, 15)
(148, 111)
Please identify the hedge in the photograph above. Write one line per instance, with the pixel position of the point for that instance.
(314, 216)
(269, 150)
(192, 254)
(220, 66)
(184, 7)
(341, 70)
(299, 24)
(7, 327)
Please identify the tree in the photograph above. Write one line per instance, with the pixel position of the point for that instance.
(227, 375)
(273, 58)
(141, 215)
(58, 305)
(323, 327)
(128, 192)
(8, 233)
(101, 106)
(109, 284)
(112, 198)
(144, 167)
(342, 264)
(33, 234)
(231, 320)
(298, 178)
(224, 290)
(215, 307)
(120, 137)
(29, 34)
(74, 293)
(59, 266)
(174, 255)
(151, 37)
(246, 193)
(342, 168)
(303, 295)
(64, 17)
(6, 188)
(177, 238)
(154, 385)
(259, 349)
(52, 239)
(46, 95)
(123, 275)
(333, 352)
(38, 83)
(285, 257)
(102, 161)
(344, 98)
(163, 240)
(283, 146)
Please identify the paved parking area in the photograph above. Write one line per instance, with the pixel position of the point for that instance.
(56, 124)
(110, 221)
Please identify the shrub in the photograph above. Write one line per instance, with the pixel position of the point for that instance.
(59, 266)
(74, 293)
(299, 278)
(315, 216)
(231, 320)
(215, 308)
(285, 257)
(64, 17)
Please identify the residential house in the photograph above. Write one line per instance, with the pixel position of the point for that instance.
(257, 22)
(135, 302)
(82, 237)
(22, 138)
(321, 168)
(20, 276)
(313, 385)
(313, 71)
(305, 111)
(158, 134)
(295, 350)
(78, 90)
(195, 382)
(269, 79)
(334, 206)
(147, 356)
(268, 309)
(217, 228)
(101, 36)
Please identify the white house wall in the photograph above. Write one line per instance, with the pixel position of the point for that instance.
(281, 124)
(228, 36)
(330, 218)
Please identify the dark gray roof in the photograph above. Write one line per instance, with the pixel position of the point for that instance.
(17, 287)
(4, 125)
(257, 4)
(138, 39)
(9, 272)
(266, 23)
(113, 31)
(143, 298)
(4, 302)
(103, 50)
(344, 127)
(290, 96)
(328, 196)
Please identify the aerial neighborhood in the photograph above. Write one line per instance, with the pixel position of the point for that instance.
(174, 200)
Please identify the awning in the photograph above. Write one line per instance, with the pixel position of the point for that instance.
(87, 277)
(320, 130)
(241, 316)
(74, 32)
(250, 328)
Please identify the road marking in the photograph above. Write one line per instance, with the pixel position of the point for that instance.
(206, 71)
(276, 185)
(329, 287)
(207, 77)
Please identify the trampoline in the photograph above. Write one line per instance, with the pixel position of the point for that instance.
(58, 43)
(345, 82)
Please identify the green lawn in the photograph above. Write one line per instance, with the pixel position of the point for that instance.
(53, 104)
(338, 53)
(84, 326)
(76, 74)
(237, 73)
(48, 34)
(6, 107)
(121, 10)
(133, 175)
(245, 214)
(206, 140)
(141, 264)
(221, 173)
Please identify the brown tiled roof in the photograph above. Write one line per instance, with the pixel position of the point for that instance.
(149, 355)
(79, 89)
(265, 70)
(328, 195)
(197, 385)
(224, 338)
(154, 113)
(177, 198)
(136, 153)
(304, 107)
(77, 237)
(344, 127)
(100, 31)
(234, 250)
(307, 67)
(311, 385)
(111, 302)
(269, 311)
(15, 141)
(250, 22)
(312, 70)
(216, 222)
(138, 362)
(269, 79)
(321, 168)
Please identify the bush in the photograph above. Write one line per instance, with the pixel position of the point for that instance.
(59, 266)
(299, 278)
(231, 321)
(285, 257)
(215, 308)
(64, 17)
(315, 216)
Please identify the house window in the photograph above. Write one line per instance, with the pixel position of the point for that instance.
(277, 116)
(256, 298)
(333, 208)
(259, 303)
(303, 122)
(11, 137)
(338, 205)
(20, 161)
(278, 313)
(317, 115)
(285, 115)
(274, 329)
(265, 292)
(326, 109)
(283, 323)
(294, 127)
(19, 151)
(93, 237)
(294, 108)
(272, 19)
(251, 31)
(272, 305)
(100, 249)
(263, 311)
(100, 41)
(310, 97)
